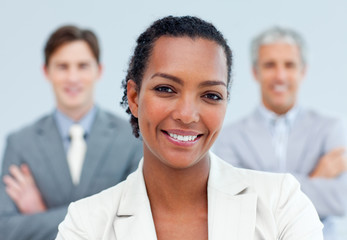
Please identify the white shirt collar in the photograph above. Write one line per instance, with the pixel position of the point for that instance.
(270, 116)
(64, 122)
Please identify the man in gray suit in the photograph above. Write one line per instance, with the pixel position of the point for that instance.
(45, 167)
(282, 136)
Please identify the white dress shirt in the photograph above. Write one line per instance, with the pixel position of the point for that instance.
(279, 127)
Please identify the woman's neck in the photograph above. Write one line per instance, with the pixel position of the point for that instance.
(178, 198)
(176, 189)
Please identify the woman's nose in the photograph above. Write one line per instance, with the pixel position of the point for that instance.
(186, 110)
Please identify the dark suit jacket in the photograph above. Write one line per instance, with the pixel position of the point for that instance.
(112, 153)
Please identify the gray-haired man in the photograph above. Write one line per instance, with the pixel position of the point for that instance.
(282, 136)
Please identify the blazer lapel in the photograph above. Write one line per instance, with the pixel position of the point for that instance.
(260, 141)
(231, 207)
(134, 217)
(297, 144)
(100, 137)
(50, 143)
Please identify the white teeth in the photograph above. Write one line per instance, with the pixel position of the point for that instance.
(183, 138)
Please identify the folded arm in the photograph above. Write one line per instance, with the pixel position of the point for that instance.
(327, 194)
(23, 213)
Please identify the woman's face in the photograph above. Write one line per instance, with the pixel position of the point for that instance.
(182, 101)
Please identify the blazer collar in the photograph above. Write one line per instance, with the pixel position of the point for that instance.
(259, 138)
(102, 134)
(134, 217)
(231, 206)
(51, 146)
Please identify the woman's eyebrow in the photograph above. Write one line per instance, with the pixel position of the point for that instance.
(212, 83)
(180, 81)
(168, 76)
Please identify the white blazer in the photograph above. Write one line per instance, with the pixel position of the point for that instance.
(242, 204)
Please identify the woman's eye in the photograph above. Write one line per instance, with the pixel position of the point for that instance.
(164, 89)
(213, 96)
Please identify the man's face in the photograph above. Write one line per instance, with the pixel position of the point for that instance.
(73, 70)
(279, 71)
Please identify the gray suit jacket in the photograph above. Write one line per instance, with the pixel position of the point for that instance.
(112, 153)
(247, 144)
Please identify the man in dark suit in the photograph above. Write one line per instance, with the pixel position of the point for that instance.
(47, 164)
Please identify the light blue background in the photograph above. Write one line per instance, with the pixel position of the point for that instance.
(25, 25)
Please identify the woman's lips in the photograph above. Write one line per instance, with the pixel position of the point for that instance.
(182, 138)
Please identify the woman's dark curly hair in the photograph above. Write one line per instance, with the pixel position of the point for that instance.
(186, 26)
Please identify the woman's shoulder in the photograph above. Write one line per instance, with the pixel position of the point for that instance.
(269, 188)
(104, 199)
(267, 181)
(279, 205)
(93, 216)
(257, 180)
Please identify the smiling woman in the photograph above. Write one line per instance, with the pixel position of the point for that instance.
(185, 83)
(176, 92)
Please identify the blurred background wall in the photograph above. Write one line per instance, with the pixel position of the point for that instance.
(25, 25)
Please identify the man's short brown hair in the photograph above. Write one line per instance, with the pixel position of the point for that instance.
(70, 33)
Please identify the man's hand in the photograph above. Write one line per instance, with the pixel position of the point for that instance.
(21, 187)
(331, 164)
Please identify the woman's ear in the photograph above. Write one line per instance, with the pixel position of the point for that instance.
(132, 95)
